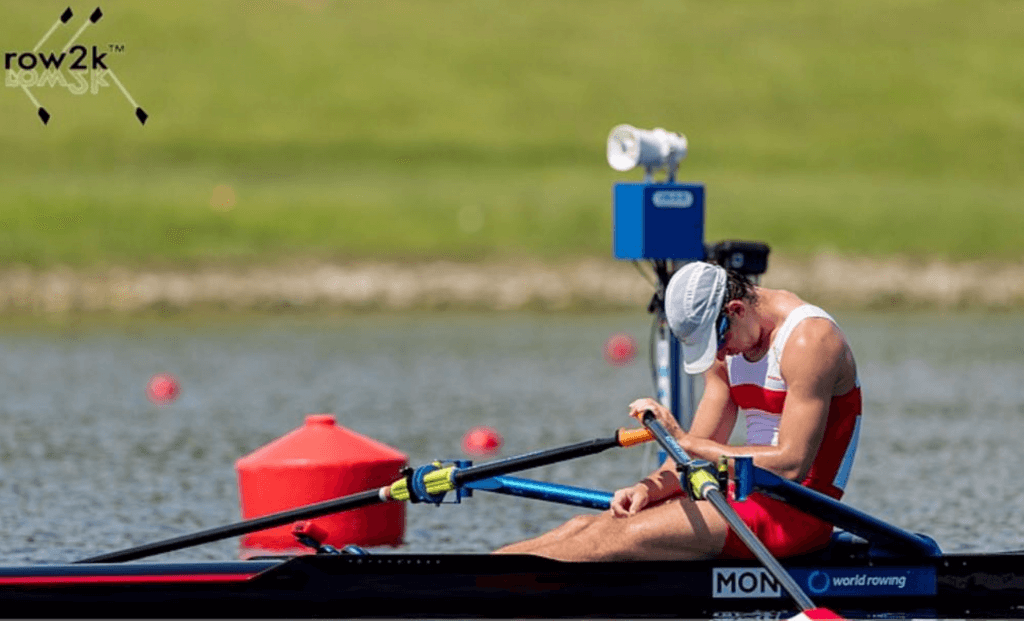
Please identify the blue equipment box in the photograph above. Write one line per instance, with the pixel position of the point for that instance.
(664, 221)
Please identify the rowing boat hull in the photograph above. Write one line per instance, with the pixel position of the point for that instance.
(485, 586)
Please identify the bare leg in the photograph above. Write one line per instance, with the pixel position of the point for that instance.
(565, 531)
(678, 529)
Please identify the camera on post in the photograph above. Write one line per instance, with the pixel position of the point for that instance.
(746, 257)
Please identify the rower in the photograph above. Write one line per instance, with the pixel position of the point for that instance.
(781, 361)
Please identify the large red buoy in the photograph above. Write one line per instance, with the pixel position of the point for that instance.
(320, 461)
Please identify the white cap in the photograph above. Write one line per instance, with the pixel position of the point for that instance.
(693, 300)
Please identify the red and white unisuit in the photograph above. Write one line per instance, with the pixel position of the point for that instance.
(759, 391)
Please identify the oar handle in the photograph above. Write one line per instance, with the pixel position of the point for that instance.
(665, 439)
(632, 437)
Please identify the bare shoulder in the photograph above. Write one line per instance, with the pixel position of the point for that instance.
(817, 351)
(817, 336)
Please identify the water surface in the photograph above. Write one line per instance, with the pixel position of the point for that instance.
(89, 465)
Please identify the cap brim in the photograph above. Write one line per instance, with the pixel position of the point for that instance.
(700, 350)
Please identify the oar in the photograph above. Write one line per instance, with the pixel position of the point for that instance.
(702, 484)
(428, 483)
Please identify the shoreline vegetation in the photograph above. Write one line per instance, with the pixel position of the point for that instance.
(834, 281)
(358, 156)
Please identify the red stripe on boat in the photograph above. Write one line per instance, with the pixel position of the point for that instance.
(128, 579)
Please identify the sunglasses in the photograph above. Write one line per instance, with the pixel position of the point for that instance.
(723, 324)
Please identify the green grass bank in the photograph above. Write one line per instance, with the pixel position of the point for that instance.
(411, 131)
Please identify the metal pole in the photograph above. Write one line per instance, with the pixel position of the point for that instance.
(683, 402)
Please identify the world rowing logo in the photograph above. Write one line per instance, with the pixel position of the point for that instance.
(877, 581)
(818, 582)
(80, 69)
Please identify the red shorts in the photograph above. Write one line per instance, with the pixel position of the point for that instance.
(783, 529)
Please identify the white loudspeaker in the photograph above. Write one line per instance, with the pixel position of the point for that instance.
(629, 147)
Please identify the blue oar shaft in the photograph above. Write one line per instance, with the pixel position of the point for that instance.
(738, 526)
(542, 490)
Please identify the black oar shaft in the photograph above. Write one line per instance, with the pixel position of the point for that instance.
(346, 503)
(738, 526)
(355, 501)
(533, 460)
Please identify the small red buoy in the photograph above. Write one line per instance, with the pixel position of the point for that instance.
(481, 441)
(162, 388)
(620, 349)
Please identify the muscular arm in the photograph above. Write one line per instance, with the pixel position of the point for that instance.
(811, 365)
(716, 414)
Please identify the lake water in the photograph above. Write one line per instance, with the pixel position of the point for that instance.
(89, 465)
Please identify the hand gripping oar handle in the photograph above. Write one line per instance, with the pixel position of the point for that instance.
(434, 482)
(708, 488)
